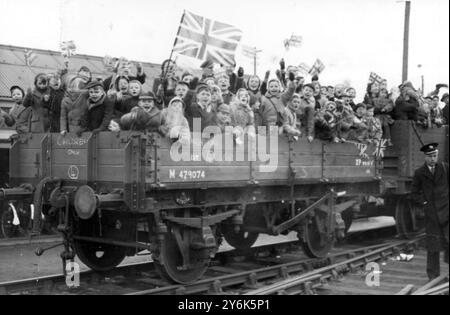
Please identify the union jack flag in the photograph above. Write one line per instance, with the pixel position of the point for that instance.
(294, 41)
(375, 78)
(68, 48)
(317, 67)
(205, 39)
(381, 146)
(30, 56)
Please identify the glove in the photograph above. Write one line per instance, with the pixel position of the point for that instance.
(282, 64)
(266, 77)
(241, 72)
(291, 76)
(194, 83)
(139, 68)
(278, 74)
(96, 131)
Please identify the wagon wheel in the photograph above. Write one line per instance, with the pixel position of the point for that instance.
(9, 228)
(408, 217)
(240, 240)
(314, 236)
(169, 262)
(97, 256)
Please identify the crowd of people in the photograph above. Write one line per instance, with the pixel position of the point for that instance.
(61, 103)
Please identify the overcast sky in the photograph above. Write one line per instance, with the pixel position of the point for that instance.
(352, 37)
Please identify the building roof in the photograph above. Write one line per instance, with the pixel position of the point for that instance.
(14, 70)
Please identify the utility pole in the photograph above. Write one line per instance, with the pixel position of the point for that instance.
(255, 57)
(406, 41)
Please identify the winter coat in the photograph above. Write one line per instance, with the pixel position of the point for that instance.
(73, 112)
(305, 115)
(242, 116)
(40, 120)
(128, 103)
(433, 190)
(181, 131)
(325, 124)
(290, 122)
(272, 106)
(143, 121)
(346, 120)
(384, 116)
(228, 97)
(56, 97)
(406, 109)
(78, 114)
(374, 128)
(196, 111)
(169, 93)
(21, 116)
(99, 114)
(445, 114)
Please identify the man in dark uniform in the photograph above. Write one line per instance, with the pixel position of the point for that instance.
(430, 190)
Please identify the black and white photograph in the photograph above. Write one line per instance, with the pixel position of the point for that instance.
(224, 153)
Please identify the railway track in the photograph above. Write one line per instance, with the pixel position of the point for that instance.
(378, 272)
(233, 272)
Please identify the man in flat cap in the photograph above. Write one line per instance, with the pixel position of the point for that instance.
(430, 190)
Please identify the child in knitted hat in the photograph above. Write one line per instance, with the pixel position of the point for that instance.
(359, 131)
(274, 102)
(131, 100)
(216, 98)
(436, 116)
(306, 111)
(173, 123)
(19, 114)
(223, 81)
(374, 128)
(290, 122)
(38, 100)
(326, 122)
(243, 116)
(383, 107)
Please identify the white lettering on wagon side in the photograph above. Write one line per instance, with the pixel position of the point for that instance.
(64, 141)
(187, 175)
(73, 152)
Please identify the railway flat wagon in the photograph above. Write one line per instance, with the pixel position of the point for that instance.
(117, 194)
(120, 193)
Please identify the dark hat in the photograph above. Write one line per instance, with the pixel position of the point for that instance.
(183, 83)
(16, 87)
(443, 97)
(207, 64)
(202, 87)
(224, 108)
(185, 74)
(310, 85)
(147, 96)
(85, 69)
(360, 105)
(94, 83)
(429, 148)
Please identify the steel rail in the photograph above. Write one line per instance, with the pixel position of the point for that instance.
(302, 282)
(47, 284)
(250, 278)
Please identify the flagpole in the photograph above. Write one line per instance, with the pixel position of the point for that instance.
(176, 37)
(255, 56)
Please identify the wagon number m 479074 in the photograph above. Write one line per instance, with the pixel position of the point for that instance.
(187, 174)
